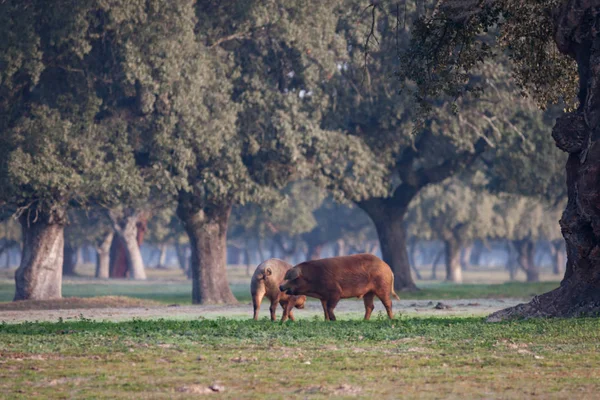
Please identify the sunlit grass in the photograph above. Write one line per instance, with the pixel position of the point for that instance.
(403, 358)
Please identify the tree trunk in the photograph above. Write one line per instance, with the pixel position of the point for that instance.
(576, 133)
(69, 260)
(207, 230)
(39, 277)
(434, 266)
(452, 252)
(261, 253)
(129, 231)
(412, 259)
(465, 257)
(511, 262)
(118, 259)
(526, 251)
(314, 251)
(162, 258)
(388, 217)
(476, 253)
(103, 257)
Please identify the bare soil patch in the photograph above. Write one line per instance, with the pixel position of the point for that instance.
(75, 303)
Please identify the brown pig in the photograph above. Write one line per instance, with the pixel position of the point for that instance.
(265, 282)
(331, 279)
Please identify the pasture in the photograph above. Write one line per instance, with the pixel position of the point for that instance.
(124, 339)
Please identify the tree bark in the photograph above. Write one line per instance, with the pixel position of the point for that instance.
(207, 229)
(129, 231)
(526, 251)
(453, 267)
(69, 260)
(388, 217)
(39, 277)
(103, 256)
(576, 133)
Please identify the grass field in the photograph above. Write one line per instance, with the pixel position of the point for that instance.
(431, 358)
(413, 356)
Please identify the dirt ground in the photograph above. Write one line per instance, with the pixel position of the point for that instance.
(346, 309)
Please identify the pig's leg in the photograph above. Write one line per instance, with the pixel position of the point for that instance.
(331, 303)
(287, 306)
(369, 306)
(273, 309)
(387, 303)
(324, 304)
(287, 310)
(257, 299)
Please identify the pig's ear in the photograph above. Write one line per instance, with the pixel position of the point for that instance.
(268, 272)
(292, 274)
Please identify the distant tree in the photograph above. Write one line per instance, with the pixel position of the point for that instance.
(10, 238)
(366, 103)
(54, 152)
(251, 132)
(456, 213)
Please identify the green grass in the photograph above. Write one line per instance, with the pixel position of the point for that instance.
(180, 292)
(458, 358)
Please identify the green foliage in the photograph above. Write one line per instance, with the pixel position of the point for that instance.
(462, 34)
(456, 210)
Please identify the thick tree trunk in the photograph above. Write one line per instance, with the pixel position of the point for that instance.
(576, 133)
(134, 254)
(453, 267)
(526, 251)
(388, 217)
(69, 260)
(39, 277)
(118, 259)
(207, 230)
(511, 260)
(129, 231)
(103, 257)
